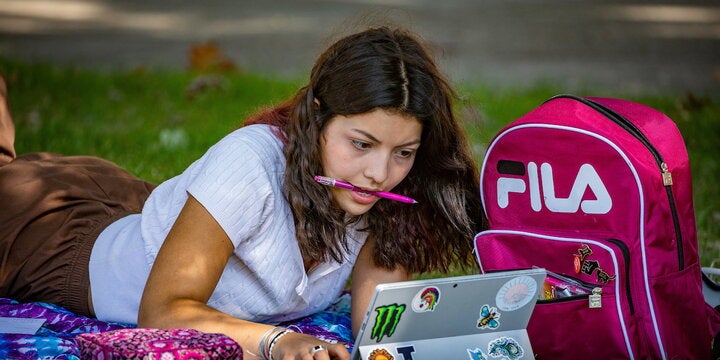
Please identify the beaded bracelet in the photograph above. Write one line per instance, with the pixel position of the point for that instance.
(273, 335)
(275, 340)
(263, 346)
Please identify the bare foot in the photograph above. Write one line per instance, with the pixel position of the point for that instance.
(3, 88)
(7, 129)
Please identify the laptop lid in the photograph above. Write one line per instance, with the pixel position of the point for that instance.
(464, 317)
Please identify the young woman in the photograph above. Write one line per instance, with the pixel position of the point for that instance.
(245, 237)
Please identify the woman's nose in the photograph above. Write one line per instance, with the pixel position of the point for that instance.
(377, 169)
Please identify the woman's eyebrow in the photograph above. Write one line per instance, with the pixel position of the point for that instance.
(367, 134)
(373, 138)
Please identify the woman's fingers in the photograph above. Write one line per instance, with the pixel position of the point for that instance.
(305, 347)
(336, 352)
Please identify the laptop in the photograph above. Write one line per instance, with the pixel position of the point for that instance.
(472, 317)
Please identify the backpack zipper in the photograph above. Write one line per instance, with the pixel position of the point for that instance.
(666, 175)
(626, 258)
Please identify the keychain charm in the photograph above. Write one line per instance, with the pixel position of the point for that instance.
(595, 298)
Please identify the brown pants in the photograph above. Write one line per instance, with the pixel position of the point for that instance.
(52, 208)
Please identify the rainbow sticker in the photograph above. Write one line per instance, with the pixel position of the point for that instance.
(426, 300)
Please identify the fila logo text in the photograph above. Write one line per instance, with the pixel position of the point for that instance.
(586, 178)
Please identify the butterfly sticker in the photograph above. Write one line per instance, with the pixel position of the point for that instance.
(488, 318)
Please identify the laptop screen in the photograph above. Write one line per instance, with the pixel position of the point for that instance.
(465, 317)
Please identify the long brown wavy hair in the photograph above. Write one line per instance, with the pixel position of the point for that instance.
(391, 69)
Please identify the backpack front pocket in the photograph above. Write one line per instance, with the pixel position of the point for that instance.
(596, 317)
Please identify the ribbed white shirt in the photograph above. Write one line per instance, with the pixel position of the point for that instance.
(239, 181)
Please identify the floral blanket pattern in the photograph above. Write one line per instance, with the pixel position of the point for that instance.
(56, 338)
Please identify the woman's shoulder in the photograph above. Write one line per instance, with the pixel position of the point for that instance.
(248, 152)
(253, 141)
(261, 134)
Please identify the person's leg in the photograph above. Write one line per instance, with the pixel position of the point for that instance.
(53, 209)
(7, 129)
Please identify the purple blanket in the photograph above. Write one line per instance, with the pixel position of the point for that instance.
(56, 338)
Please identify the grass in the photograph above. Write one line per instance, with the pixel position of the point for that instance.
(153, 124)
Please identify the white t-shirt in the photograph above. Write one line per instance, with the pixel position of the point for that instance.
(239, 181)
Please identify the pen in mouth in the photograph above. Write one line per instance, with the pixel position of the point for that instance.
(328, 181)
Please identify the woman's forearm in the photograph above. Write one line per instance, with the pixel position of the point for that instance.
(185, 313)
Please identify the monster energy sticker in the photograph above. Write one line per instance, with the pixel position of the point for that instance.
(386, 320)
(426, 299)
(505, 347)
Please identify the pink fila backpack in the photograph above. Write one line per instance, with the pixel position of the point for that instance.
(598, 192)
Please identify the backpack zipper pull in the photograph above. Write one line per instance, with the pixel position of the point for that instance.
(666, 175)
(595, 299)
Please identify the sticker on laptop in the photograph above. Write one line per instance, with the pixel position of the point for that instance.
(406, 351)
(516, 293)
(426, 299)
(380, 354)
(489, 318)
(386, 320)
(476, 354)
(505, 347)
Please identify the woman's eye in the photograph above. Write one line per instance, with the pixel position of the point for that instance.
(406, 153)
(362, 145)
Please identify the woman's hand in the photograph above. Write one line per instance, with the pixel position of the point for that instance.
(295, 346)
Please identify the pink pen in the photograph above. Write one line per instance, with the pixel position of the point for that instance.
(383, 194)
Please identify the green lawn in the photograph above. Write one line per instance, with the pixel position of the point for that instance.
(154, 125)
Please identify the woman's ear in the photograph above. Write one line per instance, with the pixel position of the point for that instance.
(316, 101)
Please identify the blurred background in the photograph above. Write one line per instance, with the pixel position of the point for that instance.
(634, 46)
(151, 84)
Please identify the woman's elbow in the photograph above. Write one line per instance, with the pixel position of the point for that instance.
(151, 312)
(145, 316)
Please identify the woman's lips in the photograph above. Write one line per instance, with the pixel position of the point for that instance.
(363, 198)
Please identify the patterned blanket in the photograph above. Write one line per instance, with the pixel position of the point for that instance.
(56, 338)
